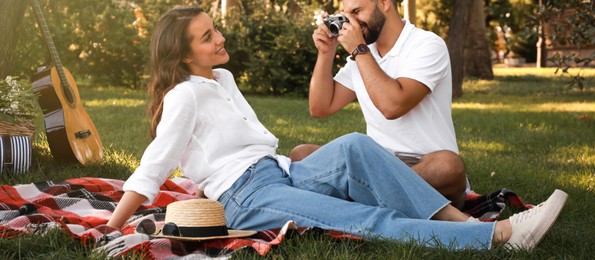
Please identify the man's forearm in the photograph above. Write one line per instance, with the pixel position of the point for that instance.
(322, 85)
(380, 86)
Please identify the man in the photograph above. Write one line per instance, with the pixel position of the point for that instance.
(401, 77)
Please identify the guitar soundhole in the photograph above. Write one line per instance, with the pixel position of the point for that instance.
(82, 134)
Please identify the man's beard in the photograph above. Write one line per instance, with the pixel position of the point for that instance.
(374, 26)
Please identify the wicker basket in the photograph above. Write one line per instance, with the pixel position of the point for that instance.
(15, 146)
(25, 128)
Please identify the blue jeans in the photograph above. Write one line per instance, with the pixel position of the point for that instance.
(352, 185)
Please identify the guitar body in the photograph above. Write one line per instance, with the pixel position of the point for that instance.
(71, 134)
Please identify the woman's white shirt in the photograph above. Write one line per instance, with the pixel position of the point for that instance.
(210, 132)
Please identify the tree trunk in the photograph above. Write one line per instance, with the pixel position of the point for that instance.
(541, 48)
(457, 32)
(294, 8)
(228, 6)
(477, 60)
(409, 11)
(11, 15)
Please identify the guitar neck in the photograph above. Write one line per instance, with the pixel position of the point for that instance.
(45, 31)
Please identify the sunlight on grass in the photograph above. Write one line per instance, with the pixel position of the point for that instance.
(120, 102)
(585, 181)
(540, 72)
(352, 106)
(314, 130)
(574, 154)
(478, 85)
(480, 106)
(483, 146)
(281, 121)
(120, 157)
(525, 107)
(564, 107)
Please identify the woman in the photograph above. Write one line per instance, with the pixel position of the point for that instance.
(203, 125)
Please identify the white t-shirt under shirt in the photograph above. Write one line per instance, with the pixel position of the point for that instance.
(210, 132)
(422, 56)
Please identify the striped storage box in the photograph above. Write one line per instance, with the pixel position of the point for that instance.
(15, 154)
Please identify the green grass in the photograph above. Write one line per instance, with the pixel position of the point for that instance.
(524, 130)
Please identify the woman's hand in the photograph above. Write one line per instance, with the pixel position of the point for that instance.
(126, 207)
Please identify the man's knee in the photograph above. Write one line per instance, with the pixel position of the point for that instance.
(448, 162)
(445, 171)
(301, 151)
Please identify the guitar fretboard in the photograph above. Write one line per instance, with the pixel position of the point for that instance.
(53, 51)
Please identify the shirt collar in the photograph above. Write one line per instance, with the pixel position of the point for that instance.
(396, 49)
(201, 79)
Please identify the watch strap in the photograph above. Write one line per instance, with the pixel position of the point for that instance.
(360, 49)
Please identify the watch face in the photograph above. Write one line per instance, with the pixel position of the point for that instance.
(360, 49)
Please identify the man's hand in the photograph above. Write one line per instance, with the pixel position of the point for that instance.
(323, 39)
(351, 34)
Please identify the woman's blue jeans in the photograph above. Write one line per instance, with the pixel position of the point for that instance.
(353, 185)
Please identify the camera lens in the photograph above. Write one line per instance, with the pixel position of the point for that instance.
(335, 27)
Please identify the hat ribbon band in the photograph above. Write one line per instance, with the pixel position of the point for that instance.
(174, 230)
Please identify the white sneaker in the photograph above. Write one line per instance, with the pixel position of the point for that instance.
(472, 219)
(530, 226)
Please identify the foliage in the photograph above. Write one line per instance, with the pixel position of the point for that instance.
(17, 101)
(107, 43)
(93, 39)
(573, 24)
(434, 15)
(271, 48)
(510, 19)
(508, 16)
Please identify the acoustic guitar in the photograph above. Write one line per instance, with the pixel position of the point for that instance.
(71, 134)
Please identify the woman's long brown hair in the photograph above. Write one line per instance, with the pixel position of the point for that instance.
(170, 44)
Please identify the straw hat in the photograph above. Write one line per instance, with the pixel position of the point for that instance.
(193, 220)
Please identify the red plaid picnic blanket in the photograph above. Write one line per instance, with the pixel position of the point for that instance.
(82, 207)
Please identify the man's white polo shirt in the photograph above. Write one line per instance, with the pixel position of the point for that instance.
(422, 56)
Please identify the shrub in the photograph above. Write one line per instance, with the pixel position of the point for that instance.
(271, 51)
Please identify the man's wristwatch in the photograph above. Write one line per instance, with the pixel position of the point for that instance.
(360, 49)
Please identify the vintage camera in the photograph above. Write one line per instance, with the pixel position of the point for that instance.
(334, 22)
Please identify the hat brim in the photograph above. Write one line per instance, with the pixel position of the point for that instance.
(231, 234)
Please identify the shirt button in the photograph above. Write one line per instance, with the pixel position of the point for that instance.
(228, 99)
(264, 132)
(245, 118)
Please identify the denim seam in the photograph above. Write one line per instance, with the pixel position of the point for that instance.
(438, 209)
(368, 187)
(314, 179)
(233, 197)
(290, 214)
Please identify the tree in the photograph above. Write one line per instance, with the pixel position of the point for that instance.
(11, 15)
(95, 39)
(571, 26)
(409, 10)
(477, 60)
(455, 41)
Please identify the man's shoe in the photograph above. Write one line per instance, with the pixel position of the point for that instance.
(530, 226)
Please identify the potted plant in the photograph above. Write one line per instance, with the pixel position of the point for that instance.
(19, 110)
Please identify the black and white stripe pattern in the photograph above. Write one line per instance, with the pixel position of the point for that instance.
(15, 154)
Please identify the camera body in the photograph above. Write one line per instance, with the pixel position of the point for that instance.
(334, 22)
